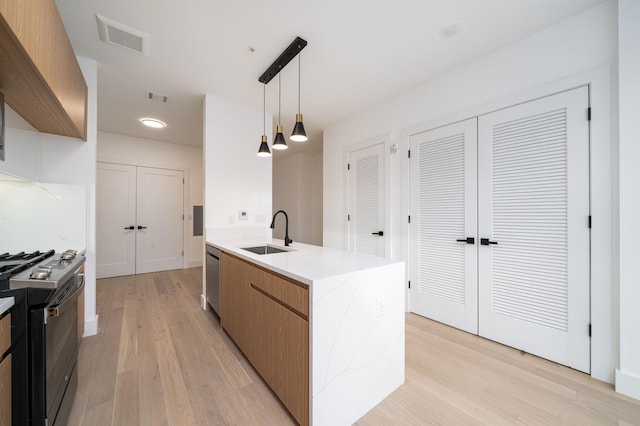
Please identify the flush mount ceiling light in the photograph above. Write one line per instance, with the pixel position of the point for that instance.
(153, 123)
(264, 146)
(274, 69)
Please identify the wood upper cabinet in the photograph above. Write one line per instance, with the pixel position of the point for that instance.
(39, 74)
(5, 371)
(267, 315)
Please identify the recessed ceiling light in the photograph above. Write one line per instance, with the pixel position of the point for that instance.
(152, 122)
(453, 29)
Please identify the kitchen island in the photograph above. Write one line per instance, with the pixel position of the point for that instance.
(331, 321)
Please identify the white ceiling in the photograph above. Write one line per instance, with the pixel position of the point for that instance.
(359, 53)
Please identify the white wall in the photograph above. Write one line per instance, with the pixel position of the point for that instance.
(578, 51)
(47, 158)
(628, 374)
(297, 189)
(236, 179)
(114, 148)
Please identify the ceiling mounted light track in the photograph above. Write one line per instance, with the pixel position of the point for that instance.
(274, 69)
(285, 57)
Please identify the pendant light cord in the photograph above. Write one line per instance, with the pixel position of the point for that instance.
(279, 98)
(264, 109)
(299, 55)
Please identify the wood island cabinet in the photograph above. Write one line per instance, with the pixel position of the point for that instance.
(267, 315)
(5, 370)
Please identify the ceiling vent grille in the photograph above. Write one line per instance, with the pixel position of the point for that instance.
(157, 97)
(120, 35)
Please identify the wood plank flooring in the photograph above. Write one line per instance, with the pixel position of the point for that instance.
(159, 359)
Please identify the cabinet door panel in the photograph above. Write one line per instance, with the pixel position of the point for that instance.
(285, 363)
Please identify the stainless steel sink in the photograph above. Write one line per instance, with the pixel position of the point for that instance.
(266, 249)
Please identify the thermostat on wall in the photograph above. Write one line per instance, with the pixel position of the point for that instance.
(243, 215)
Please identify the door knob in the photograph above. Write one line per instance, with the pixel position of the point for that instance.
(142, 227)
(486, 242)
(468, 240)
(379, 233)
(130, 228)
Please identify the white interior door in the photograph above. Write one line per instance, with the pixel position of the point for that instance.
(443, 262)
(159, 245)
(533, 196)
(366, 200)
(115, 220)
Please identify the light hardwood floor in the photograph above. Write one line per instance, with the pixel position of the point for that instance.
(160, 360)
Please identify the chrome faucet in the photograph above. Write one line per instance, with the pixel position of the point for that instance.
(287, 240)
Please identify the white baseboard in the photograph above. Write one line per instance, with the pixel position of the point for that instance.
(194, 263)
(628, 384)
(203, 302)
(91, 327)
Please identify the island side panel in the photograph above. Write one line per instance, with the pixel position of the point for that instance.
(357, 342)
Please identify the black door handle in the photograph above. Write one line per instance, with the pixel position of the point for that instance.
(468, 240)
(142, 227)
(379, 233)
(486, 242)
(130, 228)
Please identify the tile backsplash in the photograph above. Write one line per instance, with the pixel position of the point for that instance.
(41, 216)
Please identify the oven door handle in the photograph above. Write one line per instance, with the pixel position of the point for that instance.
(59, 309)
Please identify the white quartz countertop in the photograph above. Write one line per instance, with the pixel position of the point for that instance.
(5, 304)
(303, 262)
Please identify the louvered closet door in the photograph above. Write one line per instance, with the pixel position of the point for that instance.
(366, 200)
(533, 193)
(443, 270)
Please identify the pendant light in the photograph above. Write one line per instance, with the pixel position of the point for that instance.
(264, 147)
(298, 134)
(279, 142)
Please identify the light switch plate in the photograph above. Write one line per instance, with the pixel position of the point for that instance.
(243, 215)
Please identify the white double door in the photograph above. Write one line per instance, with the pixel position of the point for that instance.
(500, 241)
(139, 220)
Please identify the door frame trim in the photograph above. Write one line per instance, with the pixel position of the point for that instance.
(605, 329)
(185, 198)
(384, 139)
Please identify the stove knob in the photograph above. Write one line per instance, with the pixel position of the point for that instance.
(68, 255)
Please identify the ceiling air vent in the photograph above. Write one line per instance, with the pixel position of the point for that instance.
(116, 33)
(156, 97)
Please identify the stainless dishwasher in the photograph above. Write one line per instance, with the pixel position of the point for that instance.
(213, 278)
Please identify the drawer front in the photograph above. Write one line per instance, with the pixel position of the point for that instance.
(294, 296)
(5, 334)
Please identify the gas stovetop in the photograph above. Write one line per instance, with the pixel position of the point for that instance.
(38, 269)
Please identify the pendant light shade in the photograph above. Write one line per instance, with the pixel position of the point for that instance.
(279, 142)
(264, 148)
(298, 134)
(263, 151)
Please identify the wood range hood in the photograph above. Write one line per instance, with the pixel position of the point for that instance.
(39, 74)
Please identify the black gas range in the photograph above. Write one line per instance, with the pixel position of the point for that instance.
(44, 333)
